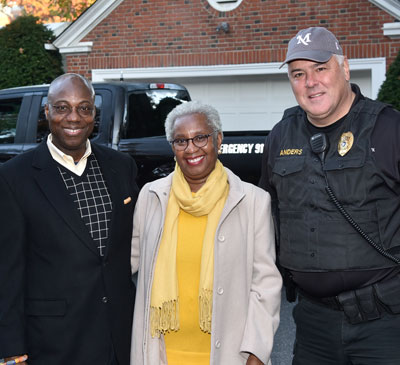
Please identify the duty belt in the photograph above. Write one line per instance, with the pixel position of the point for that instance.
(364, 304)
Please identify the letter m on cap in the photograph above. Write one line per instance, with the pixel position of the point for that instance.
(305, 40)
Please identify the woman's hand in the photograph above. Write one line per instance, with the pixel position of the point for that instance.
(253, 360)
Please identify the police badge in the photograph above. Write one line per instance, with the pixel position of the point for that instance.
(345, 143)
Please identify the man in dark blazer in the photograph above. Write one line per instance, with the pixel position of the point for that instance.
(66, 294)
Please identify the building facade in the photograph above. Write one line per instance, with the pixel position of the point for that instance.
(226, 52)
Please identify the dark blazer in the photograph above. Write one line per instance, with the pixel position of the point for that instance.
(60, 302)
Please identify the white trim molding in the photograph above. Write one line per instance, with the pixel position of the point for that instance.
(57, 28)
(69, 41)
(390, 6)
(377, 67)
(82, 47)
(224, 5)
(186, 71)
(392, 30)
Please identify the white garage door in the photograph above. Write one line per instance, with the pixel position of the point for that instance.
(244, 102)
(253, 102)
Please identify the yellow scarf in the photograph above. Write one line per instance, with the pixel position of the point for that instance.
(209, 200)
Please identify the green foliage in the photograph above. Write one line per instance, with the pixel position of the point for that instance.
(23, 58)
(68, 9)
(49, 11)
(390, 89)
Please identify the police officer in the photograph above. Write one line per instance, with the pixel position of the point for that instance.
(332, 167)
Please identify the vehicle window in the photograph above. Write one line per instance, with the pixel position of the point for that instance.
(9, 110)
(98, 102)
(147, 112)
(43, 126)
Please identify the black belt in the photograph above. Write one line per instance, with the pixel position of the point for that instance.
(364, 304)
(329, 302)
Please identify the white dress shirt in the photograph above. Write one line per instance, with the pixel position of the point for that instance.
(66, 160)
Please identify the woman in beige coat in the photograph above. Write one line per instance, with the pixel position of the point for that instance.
(208, 290)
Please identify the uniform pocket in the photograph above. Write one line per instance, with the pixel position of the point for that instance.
(287, 177)
(288, 165)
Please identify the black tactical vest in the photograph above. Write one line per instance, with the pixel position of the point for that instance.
(314, 236)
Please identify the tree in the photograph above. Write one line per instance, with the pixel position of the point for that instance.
(390, 89)
(23, 58)
(49, 11)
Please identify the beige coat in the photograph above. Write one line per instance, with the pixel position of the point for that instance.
(247, 284)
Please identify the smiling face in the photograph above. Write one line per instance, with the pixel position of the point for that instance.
(196, 163)
(70, 131)
(322, 89)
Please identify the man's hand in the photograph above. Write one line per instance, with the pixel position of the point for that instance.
(14, 358)
(253, 360)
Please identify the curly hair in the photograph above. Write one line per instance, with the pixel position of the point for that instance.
(189, 108)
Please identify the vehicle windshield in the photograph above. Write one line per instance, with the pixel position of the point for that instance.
(147, 112)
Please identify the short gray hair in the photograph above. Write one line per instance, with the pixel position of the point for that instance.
(339, 59)
(189, 108)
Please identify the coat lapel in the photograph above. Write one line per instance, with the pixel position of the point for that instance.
(236, 194)
(50, 182)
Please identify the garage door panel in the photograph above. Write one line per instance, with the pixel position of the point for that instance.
(246, 121)
(222, 93)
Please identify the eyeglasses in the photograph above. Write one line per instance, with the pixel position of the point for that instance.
(83, 110)
(201, 140)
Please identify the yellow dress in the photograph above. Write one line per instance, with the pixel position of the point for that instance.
(190, 345)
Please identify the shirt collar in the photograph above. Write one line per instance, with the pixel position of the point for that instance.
(67, 160)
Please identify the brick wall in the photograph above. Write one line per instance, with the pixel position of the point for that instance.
(157, 33)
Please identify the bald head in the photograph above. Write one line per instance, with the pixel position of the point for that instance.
(70, 111)
(68, 78)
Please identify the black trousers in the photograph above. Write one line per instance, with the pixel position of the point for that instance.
(324, 336)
